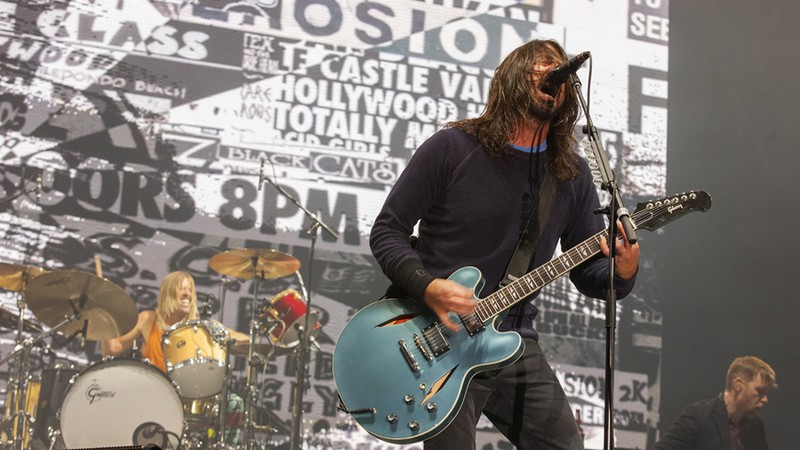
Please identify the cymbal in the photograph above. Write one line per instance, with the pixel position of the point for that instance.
(10, 320)
(14, 276)
(247, 263)
(242, 349)
(109, 310)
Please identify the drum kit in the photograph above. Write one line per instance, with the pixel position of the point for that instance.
(121, 401)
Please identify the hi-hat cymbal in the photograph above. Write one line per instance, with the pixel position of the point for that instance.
(109, 310)
(10, 320)
(14, 276)
(247, 263)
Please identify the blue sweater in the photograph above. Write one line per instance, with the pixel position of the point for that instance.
(471, 210)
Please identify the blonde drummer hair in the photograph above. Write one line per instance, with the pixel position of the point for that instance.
(168, 298)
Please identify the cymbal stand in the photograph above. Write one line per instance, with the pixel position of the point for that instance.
(225, 392)
(29, 343)
(19, 390)
(223, 403)
(250, 388)
(19, 393)
(301, 354)
(36, 189)
(223, 398)
(22, 350)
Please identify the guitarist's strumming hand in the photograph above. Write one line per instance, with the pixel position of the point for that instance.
(443, 296)
(627, 255)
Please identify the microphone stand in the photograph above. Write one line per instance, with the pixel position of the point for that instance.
(302, 350)
(615, 211)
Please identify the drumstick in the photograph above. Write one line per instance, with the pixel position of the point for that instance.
(97, 268)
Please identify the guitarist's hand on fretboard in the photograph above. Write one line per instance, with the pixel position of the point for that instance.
(443, 296)
(627, 255)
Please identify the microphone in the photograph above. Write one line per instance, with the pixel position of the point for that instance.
(313, 342)
(39, 187)
(150, 433)
(261, 175)
(559, 75)
(83, 333)
(208, 308)
(230, 283)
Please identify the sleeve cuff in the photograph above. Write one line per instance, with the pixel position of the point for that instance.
(412, 277)
(623, 286)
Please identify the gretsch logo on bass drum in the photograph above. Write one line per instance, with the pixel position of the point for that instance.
(94, 393)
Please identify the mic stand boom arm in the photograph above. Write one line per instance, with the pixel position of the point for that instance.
(302, 350)
(315, 221)
(24, 191)
(616, 211)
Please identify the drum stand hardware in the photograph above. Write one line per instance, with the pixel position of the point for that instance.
(77, 304)
(21, 420)
(256, 264)
(16, 278)
(251, 390)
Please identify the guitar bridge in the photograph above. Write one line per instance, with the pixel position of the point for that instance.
(412, 362)
(421, 346)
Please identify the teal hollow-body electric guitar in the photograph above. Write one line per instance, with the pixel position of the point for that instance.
(402, 375)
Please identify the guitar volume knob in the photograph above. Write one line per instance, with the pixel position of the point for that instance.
(431, 407)
(409, 399)
(413, 425)
(391, 418)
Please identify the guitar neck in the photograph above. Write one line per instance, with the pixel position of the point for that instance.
(648, 215)
(536, 279)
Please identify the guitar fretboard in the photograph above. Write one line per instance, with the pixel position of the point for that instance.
(650, 215)
(531, 282)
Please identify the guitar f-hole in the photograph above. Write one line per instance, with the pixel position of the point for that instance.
(438, 385)
(397, 320)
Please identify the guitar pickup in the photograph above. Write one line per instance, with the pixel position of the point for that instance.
(472, 324)
(435, 339)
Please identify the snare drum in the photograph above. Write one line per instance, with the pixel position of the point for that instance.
(201, 414)
(194, 352)
(284, 312)
(121, 402)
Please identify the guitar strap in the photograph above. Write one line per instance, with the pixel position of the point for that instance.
(523, 255)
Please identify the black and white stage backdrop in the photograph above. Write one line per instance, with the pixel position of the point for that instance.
(148, 121)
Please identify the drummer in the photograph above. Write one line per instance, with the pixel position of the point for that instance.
(177, 302)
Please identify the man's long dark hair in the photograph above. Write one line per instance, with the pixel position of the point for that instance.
(508, 109)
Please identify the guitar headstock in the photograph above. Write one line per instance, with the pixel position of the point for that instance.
(654, 214)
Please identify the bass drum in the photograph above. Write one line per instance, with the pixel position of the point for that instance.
(121, 402)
